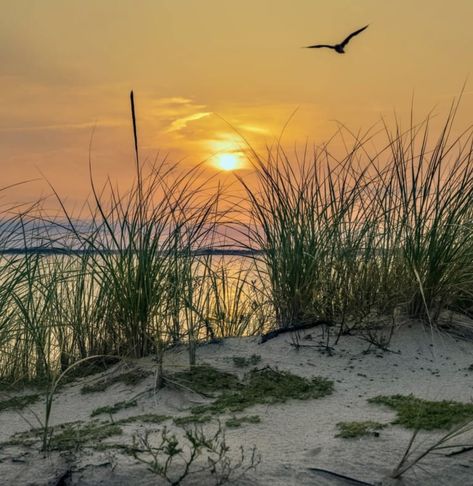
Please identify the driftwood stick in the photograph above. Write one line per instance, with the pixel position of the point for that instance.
(297, 327)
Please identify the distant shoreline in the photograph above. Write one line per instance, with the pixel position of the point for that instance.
(72, 252)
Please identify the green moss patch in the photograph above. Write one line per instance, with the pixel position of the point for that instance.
(235, 422)
(206, 380)
(242, 362)
(75, 436)
(192, 419)
(351, 430)
(19, 402)
(110, 410)
(416, 413)
(129, 378)
(70, 436)
(266, 386)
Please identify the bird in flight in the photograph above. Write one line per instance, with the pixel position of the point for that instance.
(340, 48)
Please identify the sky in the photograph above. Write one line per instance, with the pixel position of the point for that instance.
(206, 73)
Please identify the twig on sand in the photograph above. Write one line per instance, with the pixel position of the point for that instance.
(297, 327)
(351, 481)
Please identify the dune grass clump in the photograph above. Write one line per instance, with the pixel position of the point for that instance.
(347, 238)
(296, 217)
(433, 186)
(417, 413)
(324, 253)
(266, 386)
(143, 244)
(129, 378)
(19, 402)
(352, 430)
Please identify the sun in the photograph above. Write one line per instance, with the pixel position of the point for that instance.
(228, 162)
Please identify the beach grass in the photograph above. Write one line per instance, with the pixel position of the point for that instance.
(351, 241)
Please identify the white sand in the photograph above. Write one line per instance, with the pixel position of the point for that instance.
(292, 437)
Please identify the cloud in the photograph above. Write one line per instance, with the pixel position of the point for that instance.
(176, 100)
(254, 129)
(181, 123)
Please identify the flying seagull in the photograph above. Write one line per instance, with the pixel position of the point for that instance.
(340, 47)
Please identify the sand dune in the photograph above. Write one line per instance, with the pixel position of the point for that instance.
(291, 437)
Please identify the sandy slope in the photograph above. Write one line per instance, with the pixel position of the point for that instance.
(291, 437)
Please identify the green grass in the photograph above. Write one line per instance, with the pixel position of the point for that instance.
(416, 413)
(344, 236)
(112, 409)
(352, 430)
(19, 402)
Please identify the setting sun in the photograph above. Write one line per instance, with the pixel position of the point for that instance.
(228, 162)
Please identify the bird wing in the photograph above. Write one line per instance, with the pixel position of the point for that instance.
(318, 46)
(347, 40)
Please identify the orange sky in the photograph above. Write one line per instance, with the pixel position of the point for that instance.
(68, 65)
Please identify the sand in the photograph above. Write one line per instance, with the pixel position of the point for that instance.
(292, 437)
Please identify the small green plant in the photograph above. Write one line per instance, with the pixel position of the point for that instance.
(175, 459)
(235, 422)
(242, 362)
(110, 410)
(266, 386)
(129, 378)
(416, 413)
(351, 430)
(19, 402)
(69, 436)
(192, 419)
